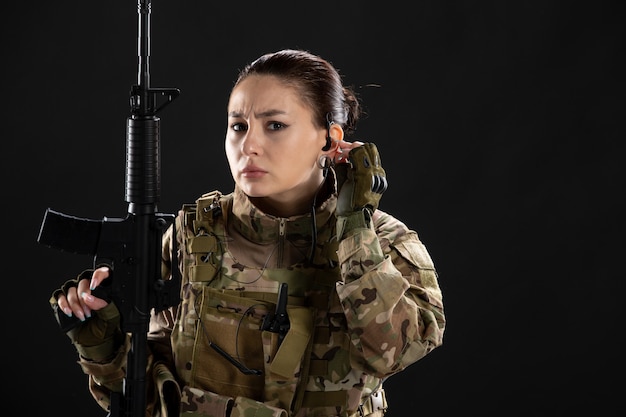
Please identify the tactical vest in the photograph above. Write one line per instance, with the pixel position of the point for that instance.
(218, 342)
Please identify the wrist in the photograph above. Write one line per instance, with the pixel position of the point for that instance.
(353, 221)
(100, 336)
(103, 352)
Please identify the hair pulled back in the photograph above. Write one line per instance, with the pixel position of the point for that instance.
(317, 82)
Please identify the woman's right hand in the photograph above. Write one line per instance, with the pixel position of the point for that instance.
(78, 300)
(96, 336)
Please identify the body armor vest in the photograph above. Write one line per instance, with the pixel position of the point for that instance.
(219, 341)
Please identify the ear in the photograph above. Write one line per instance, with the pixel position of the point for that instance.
(336, 135)
(336, 132)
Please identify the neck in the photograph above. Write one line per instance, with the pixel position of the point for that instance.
(289, 206)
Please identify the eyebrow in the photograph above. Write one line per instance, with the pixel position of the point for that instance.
(267, 113)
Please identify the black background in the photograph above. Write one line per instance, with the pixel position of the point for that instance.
(500, 125)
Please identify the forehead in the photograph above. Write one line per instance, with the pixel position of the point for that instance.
(261, 93)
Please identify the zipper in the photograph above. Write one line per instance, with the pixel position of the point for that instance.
(281, 242)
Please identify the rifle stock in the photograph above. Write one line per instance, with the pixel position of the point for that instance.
(130, 246)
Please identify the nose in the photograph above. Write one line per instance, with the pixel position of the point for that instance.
(251, 144)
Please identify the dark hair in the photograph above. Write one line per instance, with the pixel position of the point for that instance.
(316, 80)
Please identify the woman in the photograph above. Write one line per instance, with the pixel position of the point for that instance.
(299, 297)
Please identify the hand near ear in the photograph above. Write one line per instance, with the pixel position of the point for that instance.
(343, 149)
(361, 183)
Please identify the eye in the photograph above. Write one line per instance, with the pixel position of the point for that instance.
(239, 127)
(276, 125)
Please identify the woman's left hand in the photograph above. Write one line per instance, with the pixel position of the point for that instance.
(344, 148)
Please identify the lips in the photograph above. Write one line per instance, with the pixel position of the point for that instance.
(252, 171)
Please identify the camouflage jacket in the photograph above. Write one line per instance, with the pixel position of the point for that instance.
(359, 311)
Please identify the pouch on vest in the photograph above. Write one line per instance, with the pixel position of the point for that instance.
(288, 364)
(201, 244)
(232, 323)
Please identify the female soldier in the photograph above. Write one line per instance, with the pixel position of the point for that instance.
(298, 296)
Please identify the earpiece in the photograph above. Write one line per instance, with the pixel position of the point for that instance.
(327, 146)
(329, 121)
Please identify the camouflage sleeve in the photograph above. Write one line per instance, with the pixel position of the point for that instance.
(106, 377)
(390, 296)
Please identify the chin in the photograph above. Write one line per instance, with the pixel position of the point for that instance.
(254, 190)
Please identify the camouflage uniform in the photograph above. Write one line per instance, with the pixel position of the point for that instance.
(365, 308)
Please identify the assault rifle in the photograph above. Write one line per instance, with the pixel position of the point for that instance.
(130, 246)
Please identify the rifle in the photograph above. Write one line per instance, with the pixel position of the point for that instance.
(129, 246)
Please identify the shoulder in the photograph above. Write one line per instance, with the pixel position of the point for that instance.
(395, 235)
(202, 212)
(207, 201)
(389, 227)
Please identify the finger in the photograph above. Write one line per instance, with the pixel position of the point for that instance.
(98, 276)
(340, 156)
(348, 146)
(341, 159)
(343, 150)
(94, 303)
(75, 304)
(354, 144)
(64, 305)
(81, 289)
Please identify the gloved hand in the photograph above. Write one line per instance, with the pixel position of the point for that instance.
(98, 337)
(364, 183)
(361, 183)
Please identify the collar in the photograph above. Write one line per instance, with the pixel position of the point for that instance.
(261, 228)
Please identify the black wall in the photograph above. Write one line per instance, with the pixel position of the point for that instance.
(500, 125)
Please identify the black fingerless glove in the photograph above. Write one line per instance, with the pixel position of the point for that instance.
(361, 183)
(98, 337)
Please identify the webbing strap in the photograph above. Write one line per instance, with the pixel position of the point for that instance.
(374, 405)
(266, 296)
(325, 399)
